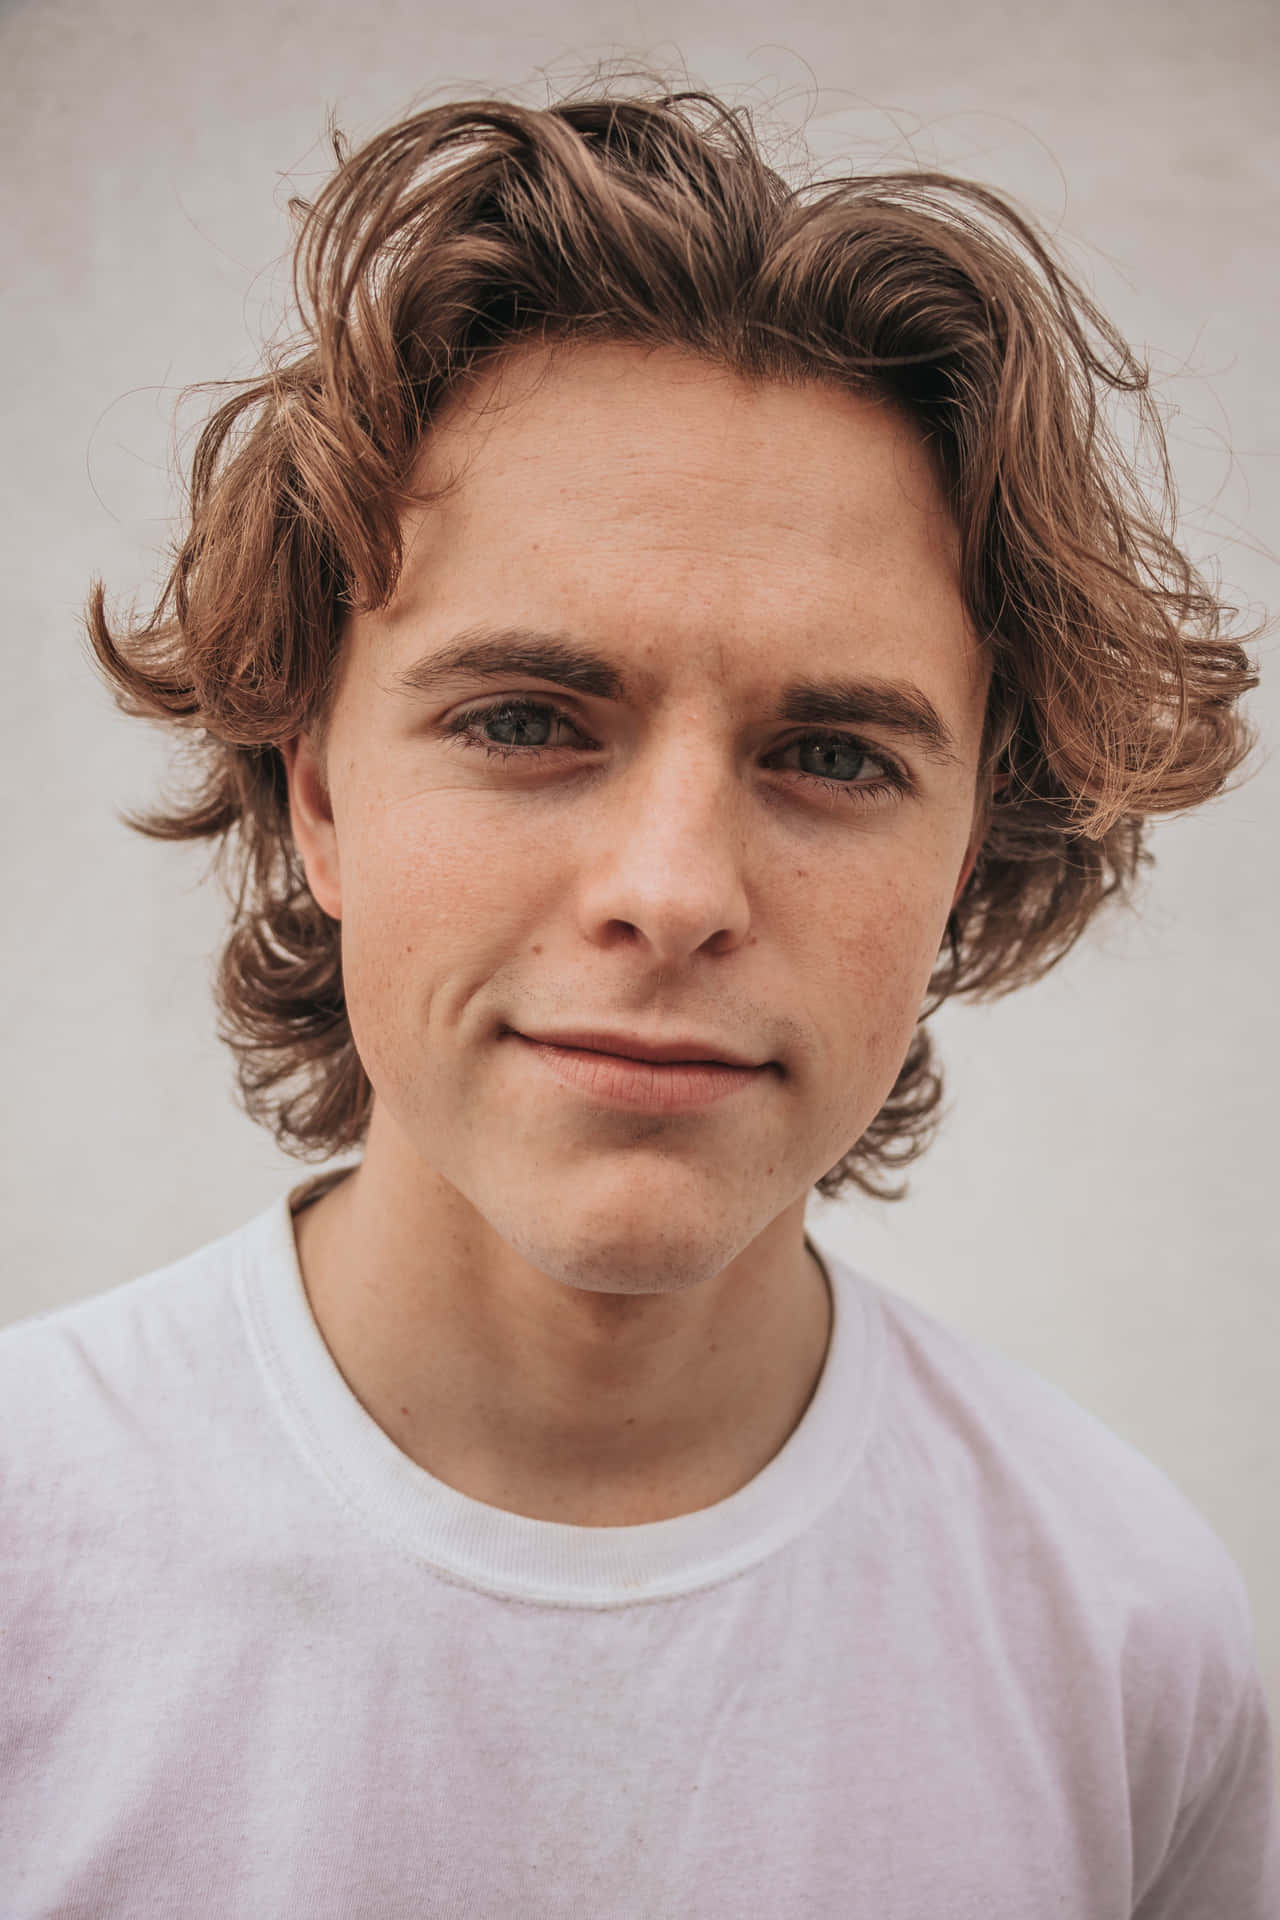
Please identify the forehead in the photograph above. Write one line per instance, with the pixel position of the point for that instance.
(662, 502)
(550, 420)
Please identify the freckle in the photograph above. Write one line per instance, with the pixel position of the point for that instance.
(536, 948)
(404, 1410)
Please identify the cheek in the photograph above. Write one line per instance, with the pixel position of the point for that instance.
(880, 958)
(432, 894)
(882, 942)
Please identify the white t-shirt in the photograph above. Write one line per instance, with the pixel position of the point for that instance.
(957, 1653)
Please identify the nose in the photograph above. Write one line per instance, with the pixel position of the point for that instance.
(668, 866)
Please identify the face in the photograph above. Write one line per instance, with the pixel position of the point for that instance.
(663, 848)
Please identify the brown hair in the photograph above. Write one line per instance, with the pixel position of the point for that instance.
(655, 218)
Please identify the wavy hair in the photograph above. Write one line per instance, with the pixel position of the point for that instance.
(653, 217)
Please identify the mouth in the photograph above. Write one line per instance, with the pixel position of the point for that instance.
(678, 1051)
(617, 1079)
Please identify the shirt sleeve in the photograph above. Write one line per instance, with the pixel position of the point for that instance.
(1223, 1860)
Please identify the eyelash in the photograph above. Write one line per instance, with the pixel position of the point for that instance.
(465, 727)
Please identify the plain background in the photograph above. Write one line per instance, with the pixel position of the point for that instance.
(1101, 1204)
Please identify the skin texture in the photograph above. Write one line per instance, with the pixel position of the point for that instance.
(577, 1312)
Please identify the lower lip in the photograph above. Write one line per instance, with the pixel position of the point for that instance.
(659, 1086)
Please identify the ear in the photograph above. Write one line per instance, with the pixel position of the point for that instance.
(311, 813)
(974, 848)
(970, 861)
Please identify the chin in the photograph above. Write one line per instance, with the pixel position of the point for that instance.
(618, 1259)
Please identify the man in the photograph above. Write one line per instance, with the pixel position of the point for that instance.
(639, 629)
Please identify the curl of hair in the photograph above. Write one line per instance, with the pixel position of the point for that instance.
(472, 227)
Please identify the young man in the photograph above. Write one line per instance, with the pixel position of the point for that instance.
(656, 637)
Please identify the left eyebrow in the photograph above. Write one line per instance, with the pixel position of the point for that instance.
(489, 653)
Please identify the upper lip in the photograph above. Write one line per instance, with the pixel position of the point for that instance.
(635, 1046)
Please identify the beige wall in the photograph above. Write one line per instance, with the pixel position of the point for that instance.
(1102, 1203)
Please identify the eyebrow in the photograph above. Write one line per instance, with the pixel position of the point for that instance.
(499, 653)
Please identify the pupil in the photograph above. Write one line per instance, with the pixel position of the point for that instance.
(522, 720)
(828, 757)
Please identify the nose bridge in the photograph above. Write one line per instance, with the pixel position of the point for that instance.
(673, 837)
(686, 767)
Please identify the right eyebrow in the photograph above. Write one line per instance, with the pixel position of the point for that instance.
(494, 653)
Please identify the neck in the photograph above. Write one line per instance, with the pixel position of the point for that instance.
(551, 1400)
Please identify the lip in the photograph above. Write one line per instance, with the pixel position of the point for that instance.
(657, 1086)
(681, 1049)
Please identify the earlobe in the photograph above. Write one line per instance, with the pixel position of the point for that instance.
(311, 816)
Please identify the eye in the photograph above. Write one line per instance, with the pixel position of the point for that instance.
(834, 758)
(510, 716)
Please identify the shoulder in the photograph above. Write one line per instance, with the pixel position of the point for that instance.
(1066, 1512)
(103, 1377)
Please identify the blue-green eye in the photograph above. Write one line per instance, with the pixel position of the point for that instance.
(529, 727)
(510, 716)
(836, 756)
